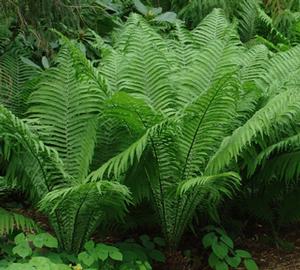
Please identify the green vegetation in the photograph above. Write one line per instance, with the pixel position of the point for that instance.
(39, 251)
(123, 118)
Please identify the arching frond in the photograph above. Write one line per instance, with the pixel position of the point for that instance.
(31, 161)
(214, 185)
(18, 130)
(76, 211)
(197, 77)
(10, 221)
(14, 77)
(214, 26)
(247, 14)
(284, 167)
(268, 22)
(69, 109)
(282, 68)
(288, 144)
(84, 68)
(121, 162)
(214, 110)
(146, 74)
(278, 112)
(112, 68)
(182, 45)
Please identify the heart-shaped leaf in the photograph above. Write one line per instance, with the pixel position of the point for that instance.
(23, 249)
(86, 258)
(220, 249)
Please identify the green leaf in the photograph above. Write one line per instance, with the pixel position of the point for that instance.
(50, 241)
(29, 62)
(159, 241)
(209, 239)
(43, 239)
(170, 17)
(140, 7)
(23, 249)
(20, 266)
(243, 253)
(155, 11)
(213, 260)
(227, 240)
(41, 263)
(220, 231)
(250, 264)
(233, 261)
(45, 62)
(54, 257)
(102, 251)
(89, 246)
(148, 244)
(86, 258)
(102, 255)
(144, 237)
(221, 266)
(116, 255)
(157, 255)
(220, 249)
(20, 238)
(65, 267)
(146, 241)
(38, 240)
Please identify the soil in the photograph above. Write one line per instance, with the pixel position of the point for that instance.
(276, 258)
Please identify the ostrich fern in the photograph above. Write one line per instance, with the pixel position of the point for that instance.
(168, 118)
(49, 156)
(206, 102)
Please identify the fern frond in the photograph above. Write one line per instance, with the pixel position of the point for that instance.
(80, 209)
(11, 126)
(121, 162)
(288, 144)
(111, 68)
(283, 167)
(214, 185)
(212, 112)
(182, 45)
(83, 67)
(147, 72)
(198, 76)
(282, 69)
(214, 26)
(69, 109)
(14, 77)
(247, 14)
(277, 113)
(264, 18)
(10, 221)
